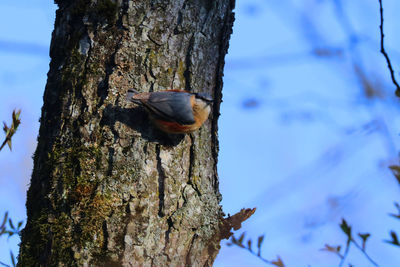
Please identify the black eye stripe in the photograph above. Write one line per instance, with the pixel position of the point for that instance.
(206, 100)
(204, 97)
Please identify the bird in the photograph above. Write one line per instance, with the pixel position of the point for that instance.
(174, 111)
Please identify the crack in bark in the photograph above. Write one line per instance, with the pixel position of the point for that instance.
(183, 196)
(90, 49)
(148, 70)
(188, 63)
(105, 236)
(103, 87)
(110, 161)
(80, 84)
(170, 226)
(167, 233)
(191, 157)
(187, 261)
(125, 224)
(208, 6)
(191, 164)
(124, 12)
(174, 74)
(179, 19)
(161, 185)
(151, 89)
(153, 41)
(178, 23)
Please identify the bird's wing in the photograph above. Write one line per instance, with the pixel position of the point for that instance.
(172, 106)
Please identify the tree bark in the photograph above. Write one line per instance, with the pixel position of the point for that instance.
(107, 188)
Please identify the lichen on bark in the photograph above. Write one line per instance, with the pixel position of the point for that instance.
(107, 188)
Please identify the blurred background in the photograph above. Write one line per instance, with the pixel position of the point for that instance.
(309, 125)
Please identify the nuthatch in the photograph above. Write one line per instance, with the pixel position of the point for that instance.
(174, 111)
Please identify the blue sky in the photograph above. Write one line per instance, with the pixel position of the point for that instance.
(301, 138)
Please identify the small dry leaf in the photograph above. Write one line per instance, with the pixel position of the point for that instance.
(278, 262)
(331, 248)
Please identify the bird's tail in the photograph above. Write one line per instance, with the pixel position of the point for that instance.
(131, 96)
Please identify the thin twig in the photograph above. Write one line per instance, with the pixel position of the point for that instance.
(255, 254)
(346, 252)
(261, 258)
(239, 242)
(383, 51)
(343, 257)
(365, 253)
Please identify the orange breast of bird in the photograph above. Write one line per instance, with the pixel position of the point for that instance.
(176, 128)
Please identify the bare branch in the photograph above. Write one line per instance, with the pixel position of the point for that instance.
(239, 242)
(383, 51)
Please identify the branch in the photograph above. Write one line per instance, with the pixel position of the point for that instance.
(383, 51)
(10, 231)
(365, 253)
(239, 242)
(344, 256)
(350, 239)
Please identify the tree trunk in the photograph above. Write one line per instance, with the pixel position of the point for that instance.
(107, 188)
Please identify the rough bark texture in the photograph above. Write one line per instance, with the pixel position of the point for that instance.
(107, 188)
